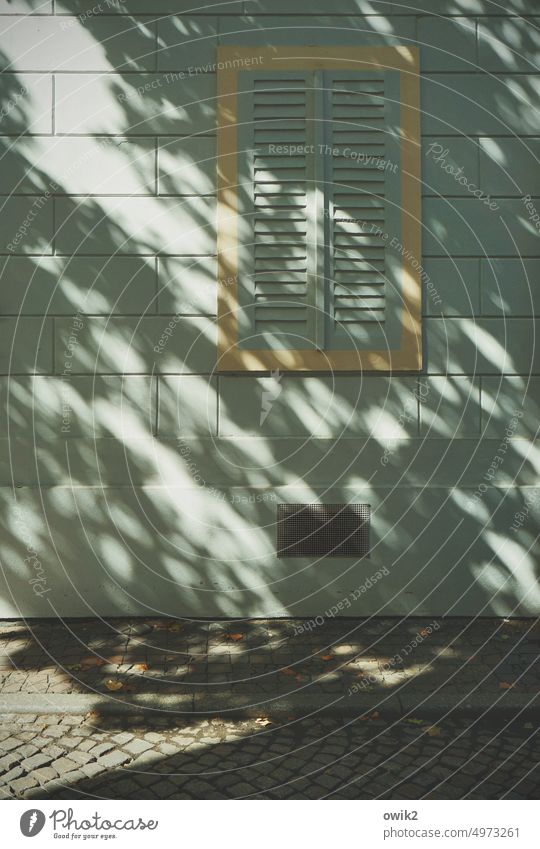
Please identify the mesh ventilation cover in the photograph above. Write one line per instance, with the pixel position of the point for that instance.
(323, 530)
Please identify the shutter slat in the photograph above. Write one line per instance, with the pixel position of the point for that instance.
(280, 199)
(359, 200)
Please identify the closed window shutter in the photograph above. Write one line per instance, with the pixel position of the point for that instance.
(363, 201)
(314, 229)
(277, 265)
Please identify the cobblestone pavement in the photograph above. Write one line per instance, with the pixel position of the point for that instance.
(55, 757)
(260, 657)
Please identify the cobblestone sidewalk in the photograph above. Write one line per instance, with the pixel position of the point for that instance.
(258, 659)
(53, 757)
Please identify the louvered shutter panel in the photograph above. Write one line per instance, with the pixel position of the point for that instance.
(364, 209)
(276, 265)
(319, 177)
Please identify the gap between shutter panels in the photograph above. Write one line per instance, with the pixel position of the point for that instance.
(315, 227)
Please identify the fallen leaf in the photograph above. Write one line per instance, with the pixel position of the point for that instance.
(176, 626)
(424, 632)
(375, 715)
(113, 685)
(505, 685)
(327, 657)
(141, 667)
(91, 662)
(287, 671)
(433, 731)
(74, 667)
(415, 721)
(234, 637)
(291, 719)
(261, 720)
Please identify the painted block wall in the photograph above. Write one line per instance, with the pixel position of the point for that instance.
(133, 478)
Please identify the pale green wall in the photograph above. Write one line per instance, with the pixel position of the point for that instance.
(161, 493)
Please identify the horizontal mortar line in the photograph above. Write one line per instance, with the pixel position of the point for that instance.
(474, 71)
(477, 315)
(127, 195)
(141, 314)
(483, 257)
(117, 255)
(165, 255)
(121, 71)
(492, 196)
(159, 134)
(363, 438)
(292, 487)
(125, 135)
(265, 373)
(60, 194)
(147, 314)
(406, 13)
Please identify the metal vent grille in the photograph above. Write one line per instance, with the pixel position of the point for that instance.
(323, 530)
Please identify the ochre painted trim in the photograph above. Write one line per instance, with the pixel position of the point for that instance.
(408, 357)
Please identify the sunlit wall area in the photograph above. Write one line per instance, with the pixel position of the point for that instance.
(135, 477)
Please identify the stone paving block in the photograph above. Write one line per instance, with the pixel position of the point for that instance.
(63, 765)
(35, 761)
(136, 747)
(114, 759)
(123, 737)
(102, 748)
(45, 773)
(20, 785)
(79, 757)
(71, 742)
(12, 774)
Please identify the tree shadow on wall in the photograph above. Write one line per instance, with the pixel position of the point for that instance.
(134, 478)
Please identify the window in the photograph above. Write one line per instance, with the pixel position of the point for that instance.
(319, 209)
